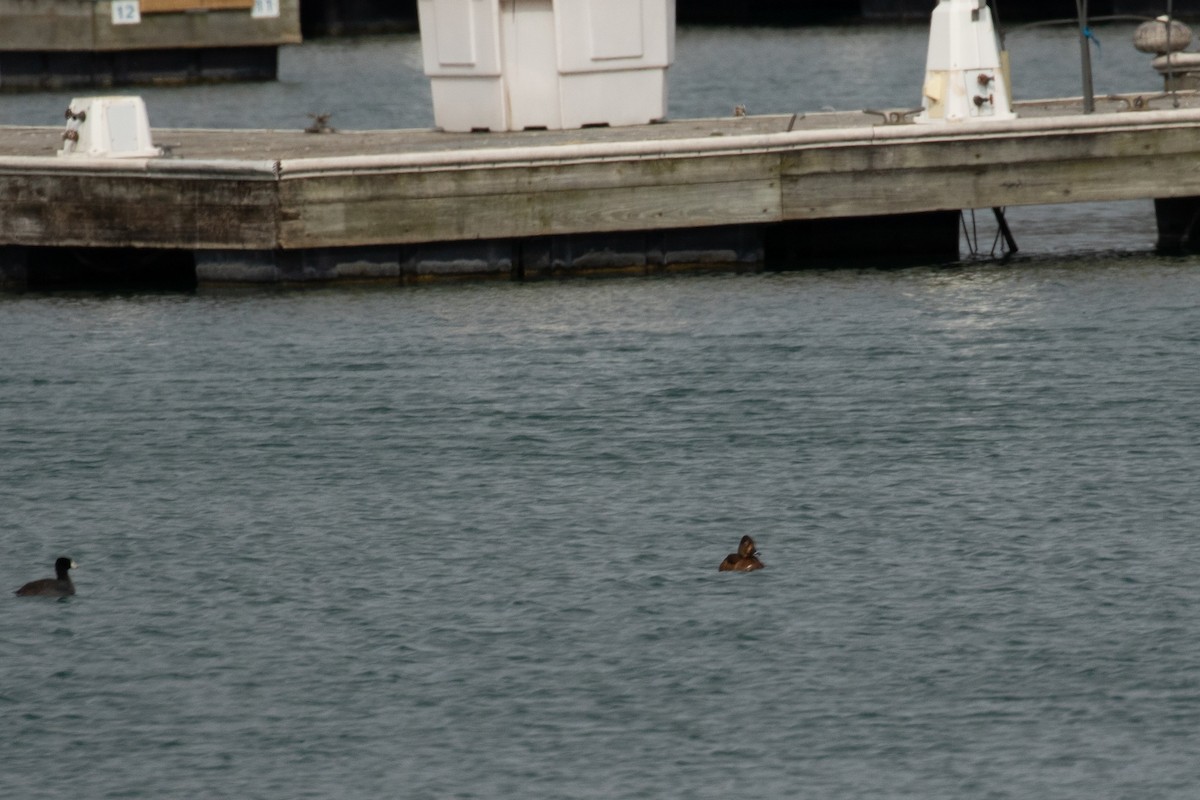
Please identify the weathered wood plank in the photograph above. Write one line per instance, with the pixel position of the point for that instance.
(877, 193)
(502, 178)
(928, 176)
(124, 211)
(170, 6)
(449, 205)
(46, 24)
(989, 151)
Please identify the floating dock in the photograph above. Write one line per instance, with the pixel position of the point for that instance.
(738, 193)
(53, 44)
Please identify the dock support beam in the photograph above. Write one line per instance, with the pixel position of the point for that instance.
(885, 241)
(49, 70)
(36, 268)
(721, 248)
(1178, 224)
(895, 240)
(246, 267)
(14, 268)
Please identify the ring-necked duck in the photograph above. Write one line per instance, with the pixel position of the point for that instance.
(58, 586)
(744, 560)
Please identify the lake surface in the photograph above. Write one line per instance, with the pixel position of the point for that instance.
(461, 542)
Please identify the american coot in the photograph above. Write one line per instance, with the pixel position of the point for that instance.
(58, 586)
(744, 560)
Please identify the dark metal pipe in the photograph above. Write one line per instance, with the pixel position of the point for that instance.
(1004, 229)
(1085, 57)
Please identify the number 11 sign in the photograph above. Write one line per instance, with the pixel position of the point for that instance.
(264, 9)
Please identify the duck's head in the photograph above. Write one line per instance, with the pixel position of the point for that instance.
(747, 548)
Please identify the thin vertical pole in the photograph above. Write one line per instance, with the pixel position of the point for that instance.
(1085, 57)
(1172, 81)
(1004, 230)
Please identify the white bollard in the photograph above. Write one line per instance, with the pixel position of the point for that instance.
(965, 78)
(108, 127)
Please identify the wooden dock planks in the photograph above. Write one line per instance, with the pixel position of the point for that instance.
(289, 191)
(529, 200)
(997, 169)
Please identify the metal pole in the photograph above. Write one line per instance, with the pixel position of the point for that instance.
(1172, 80)
(1004, 230)
(1085, 56)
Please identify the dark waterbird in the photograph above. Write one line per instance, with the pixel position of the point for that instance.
(744, 560)
(58, 586)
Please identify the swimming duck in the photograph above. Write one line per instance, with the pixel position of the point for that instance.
(744, 560)
(58, 586)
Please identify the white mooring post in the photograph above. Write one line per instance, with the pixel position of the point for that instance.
(108, 127)
(965, 76)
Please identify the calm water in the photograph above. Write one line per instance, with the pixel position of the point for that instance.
(461, 542)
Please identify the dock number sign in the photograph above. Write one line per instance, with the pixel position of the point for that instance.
(126, 12)
(265, 9)
(129, 12)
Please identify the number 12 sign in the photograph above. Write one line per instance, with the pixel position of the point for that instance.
(126, 12)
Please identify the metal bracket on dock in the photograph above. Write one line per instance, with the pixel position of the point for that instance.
(896, 116)
(1138, 103)
(74, 120)
(1004, 238)
(320, 124)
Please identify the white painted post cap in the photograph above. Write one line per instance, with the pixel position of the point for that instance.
(108, 127)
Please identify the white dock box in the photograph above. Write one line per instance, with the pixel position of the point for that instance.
(965, 76)
(514, 64)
